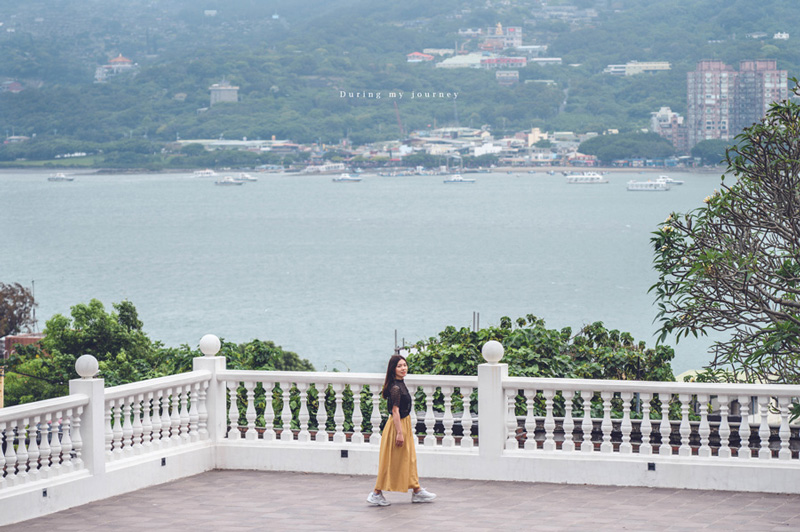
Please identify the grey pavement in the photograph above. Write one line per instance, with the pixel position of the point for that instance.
(255, 500)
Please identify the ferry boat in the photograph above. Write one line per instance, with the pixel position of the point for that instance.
(659, 185)
(228, 181)
(456, 178)
(346, 178)
(60, 177)
(586, 178)
(204, 173)
(244, 177)
(669, 180)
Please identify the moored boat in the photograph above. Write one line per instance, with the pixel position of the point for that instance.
(228, 181)
(204, 173)
(60, 177)
(457, 178)
(244, 177)
(346, 178)
(668, 179)
(659, 185)
(586, 178)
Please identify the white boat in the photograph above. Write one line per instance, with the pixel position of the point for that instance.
(244, 177)
(346, 178)
(659, 185)
(456, 178)
(205, 173)
(228, 181)
(60, 177)
(668, 179)
(586, 178)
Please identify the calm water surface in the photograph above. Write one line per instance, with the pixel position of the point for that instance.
(330, 270)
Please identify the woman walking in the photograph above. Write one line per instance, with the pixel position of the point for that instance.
(397, 467)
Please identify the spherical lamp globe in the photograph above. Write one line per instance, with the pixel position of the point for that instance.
(86, 366)
(492, 351)
(209, 345)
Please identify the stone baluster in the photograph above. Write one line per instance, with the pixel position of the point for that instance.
(127, 427)
(175, 416)
(302, 417)
(626, 427)
(664, 426)
(194, 412)
(202, 412)
(233, 410)
(4, 442)
(147, 423)
(724, 427)
(586, 424)
(250, 413)
(33, 449)
(117, 428)
(286, 412)
(55, 445)
(430, 419)
(685, 429)
(447, 419)
(358, 417)
(10, 456)
(568, 424)
(375, 418)
(646, 426)
(530, 419)
(269, 412)
(109, 430)
(166, 422)
(466, 418)
(511, 420)
(338, 414)
(44, 447)
(764, 453)
(22, 451)
(607, 426)
(184, 413)
(785, 433)
(744, 427)
(322, 413)
(77, 439)
(138, 429)
(549, 421)
(704, 430)
(66, 442)
(413, 415)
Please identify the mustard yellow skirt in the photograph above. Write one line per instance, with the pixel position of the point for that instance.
(397, 467)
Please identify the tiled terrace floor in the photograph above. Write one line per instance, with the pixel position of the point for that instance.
(252, 500)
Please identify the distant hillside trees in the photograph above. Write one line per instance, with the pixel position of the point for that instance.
(609, 148)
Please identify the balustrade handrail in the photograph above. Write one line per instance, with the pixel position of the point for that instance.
(11, 413)
(333, 377)
(782, 390)
(159, 383)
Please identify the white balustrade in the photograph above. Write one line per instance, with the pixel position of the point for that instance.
(40, 440)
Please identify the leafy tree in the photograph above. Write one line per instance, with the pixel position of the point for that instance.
(532, 350)
(733, 265)
(711, 151)
(16, 308)
(608, 148)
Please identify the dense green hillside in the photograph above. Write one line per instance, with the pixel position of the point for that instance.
(291, 60)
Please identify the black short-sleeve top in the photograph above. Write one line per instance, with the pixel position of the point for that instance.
(399, 396)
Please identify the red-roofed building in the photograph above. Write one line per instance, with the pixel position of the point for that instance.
(418, 57)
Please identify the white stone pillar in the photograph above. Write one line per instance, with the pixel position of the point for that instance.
(216, 397)
(93, 419)
(491, 402)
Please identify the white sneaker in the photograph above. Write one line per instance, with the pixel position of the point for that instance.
(422, 496)
(377, 499)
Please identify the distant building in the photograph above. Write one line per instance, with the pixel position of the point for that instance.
(634, 67)
(722, 101)
(417, 57)
(507, 78)
(116, 66)
(462, 61)
(223, 92)
(671, 126)
(7, 343)
(780, 36)
(500, 38)
(504, 62)
(11, 86)
(439, 51)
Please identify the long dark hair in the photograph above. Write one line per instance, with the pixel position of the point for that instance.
(390, 374)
